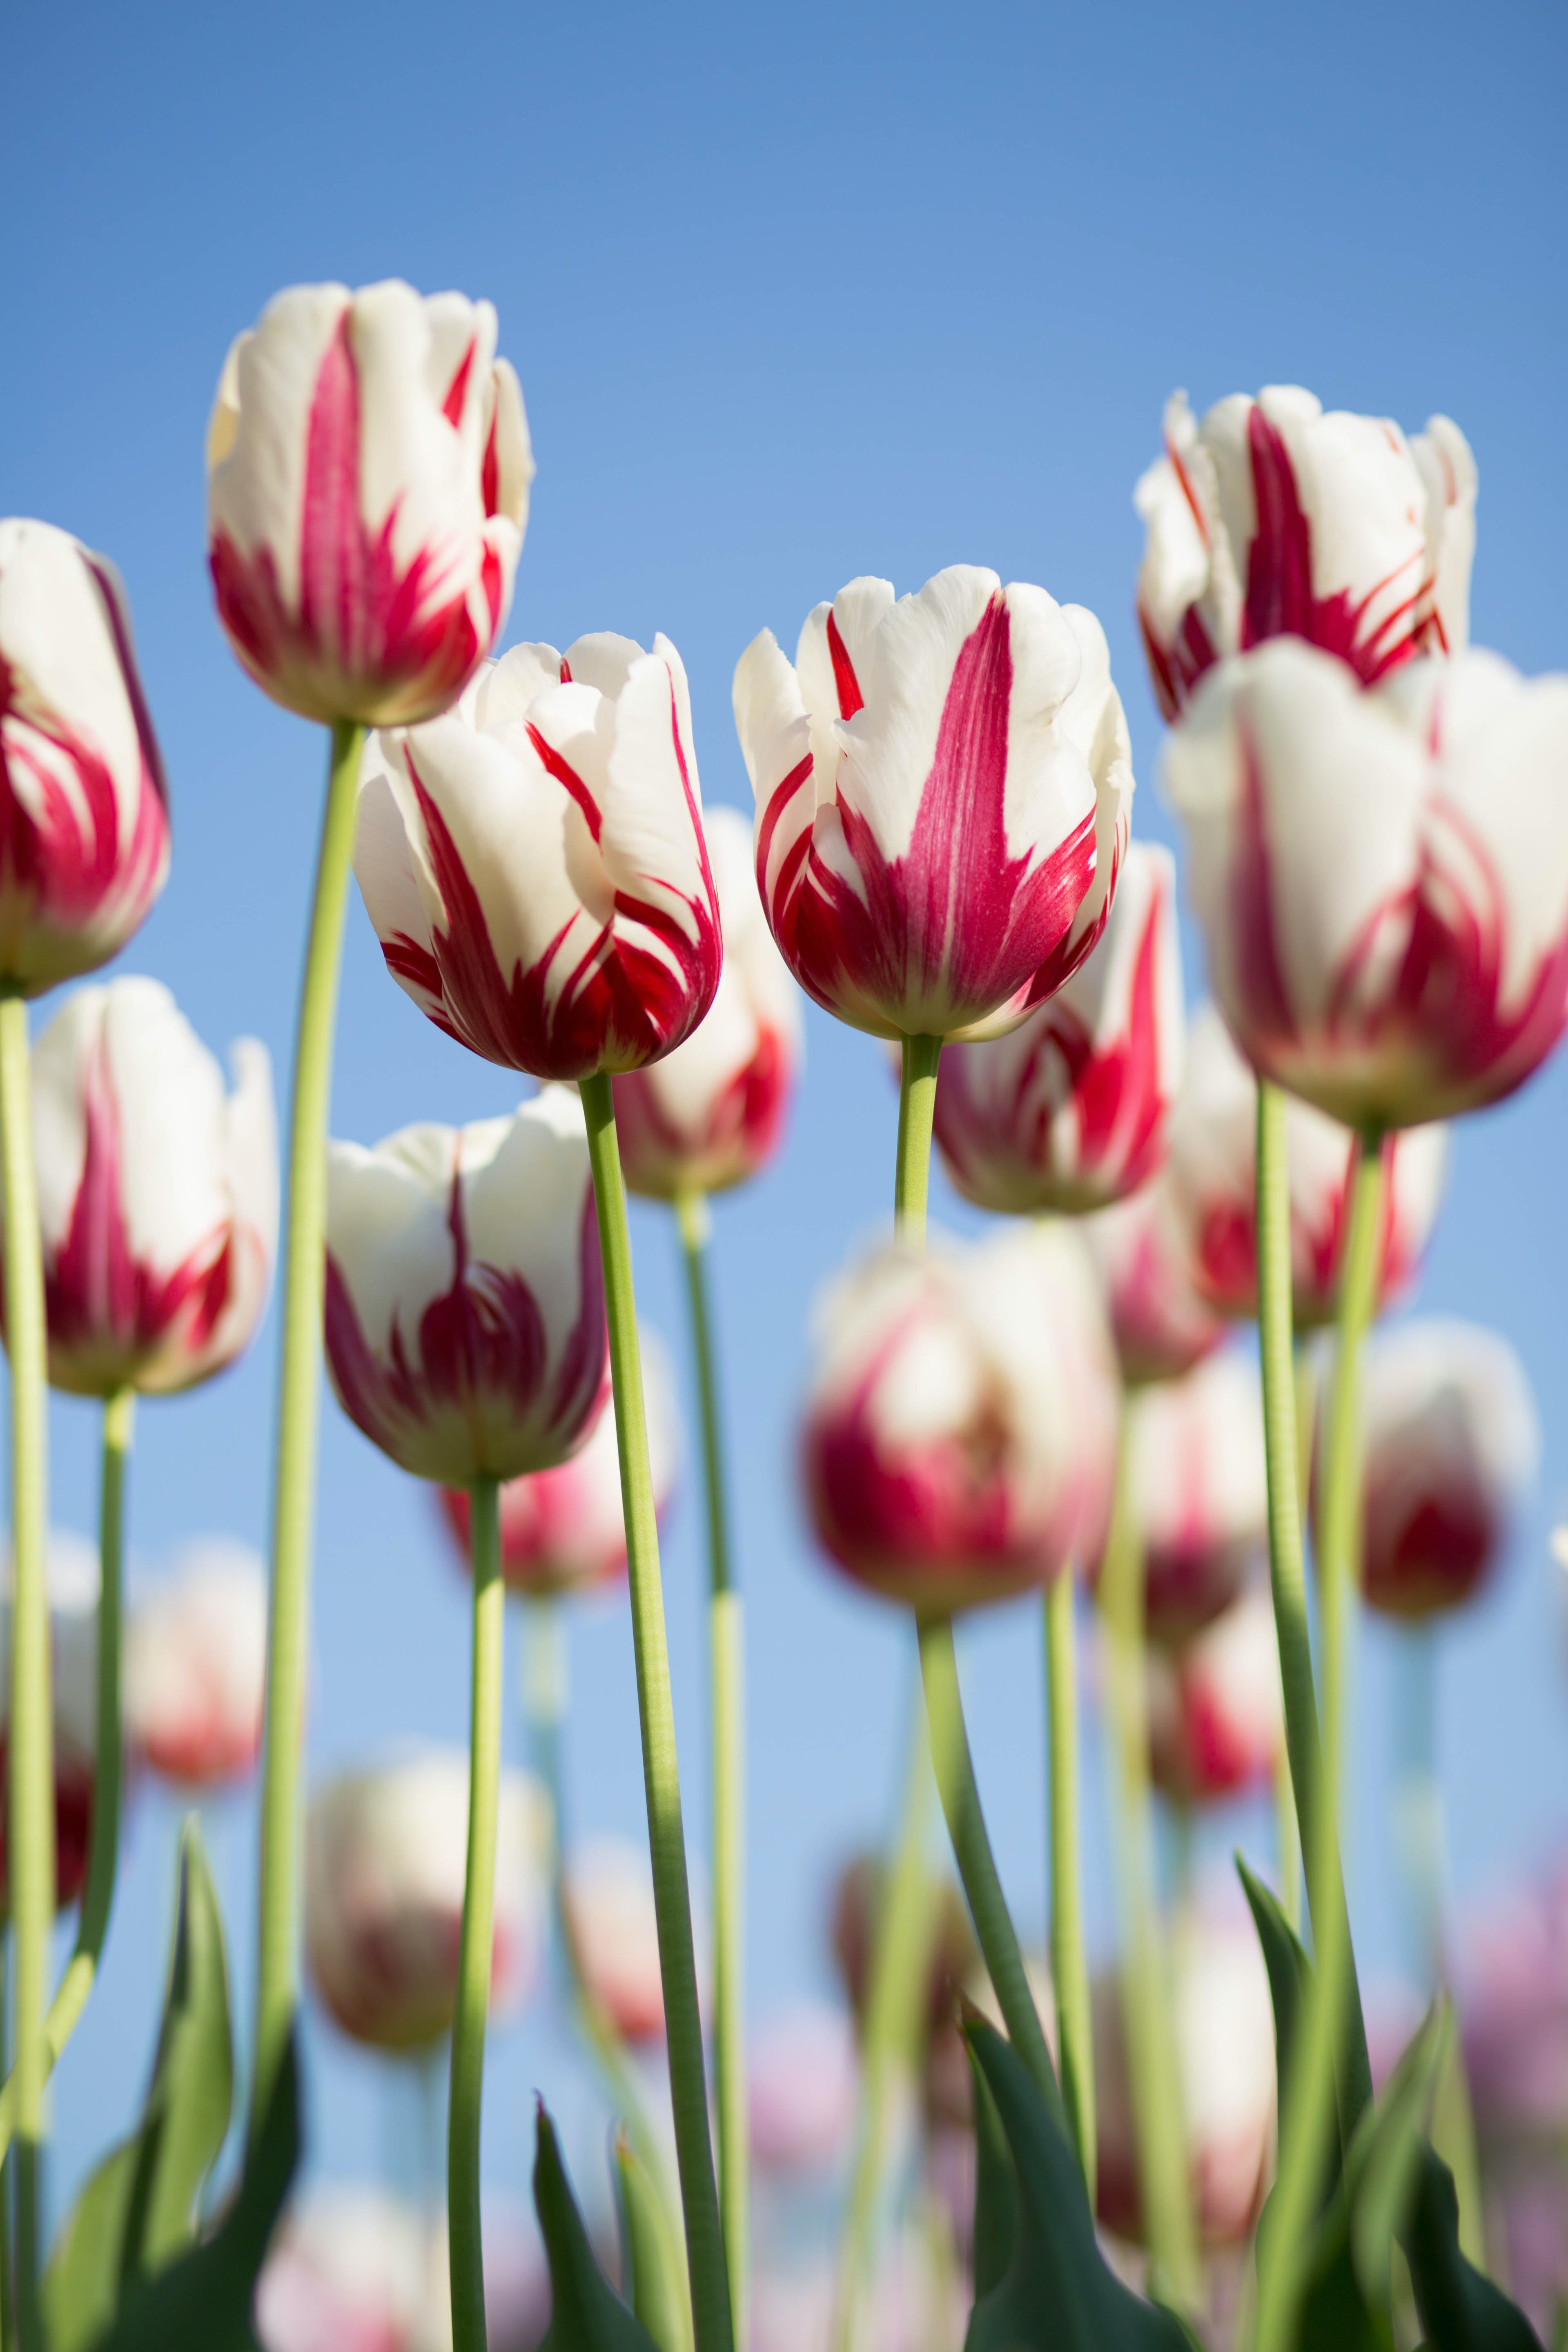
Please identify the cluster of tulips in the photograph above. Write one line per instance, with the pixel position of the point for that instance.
(1376, 823)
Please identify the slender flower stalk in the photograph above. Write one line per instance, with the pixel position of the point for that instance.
(294, 1469)
(710, 2306)
(1069, 1961)
(7, 2264)
(466, 2250)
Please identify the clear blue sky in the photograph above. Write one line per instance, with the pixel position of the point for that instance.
(793, 295)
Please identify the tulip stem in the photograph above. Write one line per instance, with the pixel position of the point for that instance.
(1069, 1961)
(294, 1466)
(465, 2252)
(710, 2307)
(917, 1111)
(726, 1669)
(7, 2271)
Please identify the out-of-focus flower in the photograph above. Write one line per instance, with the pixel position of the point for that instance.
(911, 2304)
(353, 2270)
(711, 1113)
(196, 1666)
(1160, 1324)
(157, 1192)
(1451, 1442)
(464, 1306)
(1216, 1711)
(1069, 1111)
(565, 1530)
(84, 806)
(944, 787)
(385, 1857)
(368, 469)
(953, 1960)
(1224, 2025)
(534, 864)
(1380, 875)
(961, 1430)
(803, 2082)
(73, 1589)
(1270, 518)
(1211, 1177)
(608, 1897)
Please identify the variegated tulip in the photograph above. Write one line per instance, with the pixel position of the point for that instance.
(534, 864)
(196, 1666)
(1070, 1110)
(961, 1428)
(465, 1309)
(368, 469)
(1380, 875)
(84, 806)
(607, 1892)
(1211, 1179)
(1160, 1323)
(157, 1192)
(1216, 1710)
(1270, 518)
(73, 1590)
(943, 784)
(355, 2270)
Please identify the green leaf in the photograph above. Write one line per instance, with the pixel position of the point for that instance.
(139, 2209)
(585, 2317)
(1386, 2152)
(1460, 2309)
(1289, 1971)
(996, 2189)
(653, 2263)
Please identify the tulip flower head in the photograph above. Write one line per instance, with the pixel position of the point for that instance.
(353, 2270)
(1380, 875)
(1069, 1111)
(944, 787)
(1211, 1179)
(1270, 518)
(73, 1589)
(804, 2088)
(711, 1113)
(961, 1430)
(608, 1899)
(157, 1192)
(464, 1310)
(1159, 1322)
(1216, 1710)
(385, 1861)
(534, 865)
(368, 469)
(84, 804)
(195, 1667)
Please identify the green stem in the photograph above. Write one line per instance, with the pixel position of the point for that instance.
(667, 1840)
(726, 1668)
(7, 2266)
(294, 1469)
(31, 1841)
(917, 1109)
(1288, 1841)
(1069, 1960)
(466, 2253)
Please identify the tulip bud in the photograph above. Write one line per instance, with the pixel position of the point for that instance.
(608, 1897)
(195, 1667)
(1270, 518)
(944, 787)
(803, 2089)
(1069, 1111)
(386, 1862)
(73, 1589)
(711, 1113)
(534, 866)
(961, 1430)
(157, 1192)
(368, 467)
(1216, 1710)
(464, 1305)
(84, 841)
(1160, 1324)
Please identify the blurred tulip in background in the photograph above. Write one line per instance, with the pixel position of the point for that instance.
(1216, 1711)
(73, 1589)
(1160, 1324)
(196, 1666)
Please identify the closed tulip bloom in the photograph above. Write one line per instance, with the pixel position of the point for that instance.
(1069, 1111)
(196, 1666)
(84, 806)
(157, 1192)
(535, 864)
(385, 1858)
(961, 1430)
(1270, 518)
(608, 1898)
(1211, 1178)
(1159, 1322)
(944, 787)
(1216, 1710)
(465, 1306)
(368, 467)
(1380, 875)
(73, 1589)
(711, 1113)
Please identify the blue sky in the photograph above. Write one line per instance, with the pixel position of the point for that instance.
(793, 297)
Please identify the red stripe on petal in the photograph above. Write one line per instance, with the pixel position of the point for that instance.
(566, 775)
(457, 394)
(850, 698)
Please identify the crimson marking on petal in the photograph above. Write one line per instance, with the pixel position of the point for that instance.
(566, 775)
(850, 698)
(458, 392)
(779, 800)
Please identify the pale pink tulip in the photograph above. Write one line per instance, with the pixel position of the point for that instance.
(608, 1896)
(1216, 1710)
(196, 1666)
(803, 2085)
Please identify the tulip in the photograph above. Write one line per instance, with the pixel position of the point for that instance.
(465, 1313)
(1070, 1110)
(1160, 1324)
(195, 1667)
(1269, 519)
(73, 1649)
(533, 864)
(944, 787)
(804, 2085)
(353, 2270)
(1452, 1444)
(961, 1430)
(608, 1898)
(384, 1856)
(368, 469)
(1382, 876)
(1216, 1711)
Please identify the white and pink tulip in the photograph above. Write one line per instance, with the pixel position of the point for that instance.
(607, 1892)
(73, 1588)
(1161, 1322)
(1217, 1708)
(195, 1667)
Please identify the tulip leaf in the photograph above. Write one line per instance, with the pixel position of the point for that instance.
(1460, 2309)
(995, 2190)
(586, 2315)
(653, 2263)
